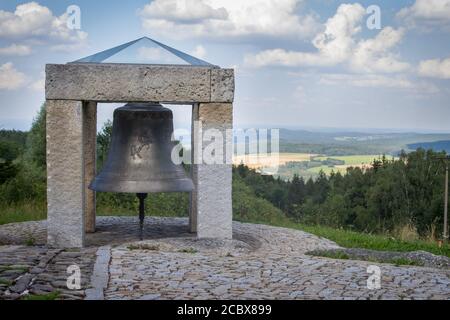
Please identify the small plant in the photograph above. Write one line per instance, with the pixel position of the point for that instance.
(330, 254)
(404, 262)
(152, 247)
(188, 250)
(407, 232)
(49, 296)
(5, 282)
(19, 268)
(31, 241)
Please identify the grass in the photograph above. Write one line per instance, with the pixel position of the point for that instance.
(355, 160)
(344, 256)
(5, 282)
(330, 254)
(31, 241)
(49, 296)
(14, 268)
(143, 247)
(352, 160)
(353, 239)
(188, 250)
(404, 262)
(23, 212)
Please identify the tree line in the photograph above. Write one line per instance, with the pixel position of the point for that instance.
(389, 195)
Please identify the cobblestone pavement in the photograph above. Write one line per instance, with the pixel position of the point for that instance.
(261, 262)
(38, 271)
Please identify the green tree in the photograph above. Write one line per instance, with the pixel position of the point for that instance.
(36, 140)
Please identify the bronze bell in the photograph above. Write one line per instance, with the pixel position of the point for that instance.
(139, 158)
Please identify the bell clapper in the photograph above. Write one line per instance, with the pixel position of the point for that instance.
(141, 197)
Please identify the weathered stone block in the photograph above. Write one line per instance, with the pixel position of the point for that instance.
(128, 82)
(211, 199)
(222, 85)
(65, 173)
(90, 161)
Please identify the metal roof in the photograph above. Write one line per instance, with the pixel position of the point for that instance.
(144, 50)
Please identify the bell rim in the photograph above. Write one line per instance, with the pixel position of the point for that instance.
(153, 186)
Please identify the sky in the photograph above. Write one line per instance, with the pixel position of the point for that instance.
(298, 63)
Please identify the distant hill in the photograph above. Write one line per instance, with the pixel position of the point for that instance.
(435, 146)
(353, 143)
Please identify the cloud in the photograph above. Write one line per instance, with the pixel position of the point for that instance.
(186, 11)
(377, 81)
(373, 55)
(426, 14)
(199, 52)
(156, 55)
(38, 85)
(10, 78)
(15, 50)
(31, 21)
(435, 68)
(333, 45)
(227, 19)
(337, 45)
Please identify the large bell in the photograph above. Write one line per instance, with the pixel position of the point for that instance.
(139, 158)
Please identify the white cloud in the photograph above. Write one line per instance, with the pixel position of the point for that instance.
(199, 52)
(337, 45)
(377, 81)
(15, 50)
(150, 53)
(435, 68)
(334, 44)
(31, 21)
(187, 11)
(426, 14)
(10, 78)
(227, 18)
(38, 85)
(373, 55)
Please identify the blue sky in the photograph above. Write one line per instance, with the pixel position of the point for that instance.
(298, 63)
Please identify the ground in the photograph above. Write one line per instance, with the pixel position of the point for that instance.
(261, 262)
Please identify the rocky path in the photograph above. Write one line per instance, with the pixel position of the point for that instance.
(261, 262)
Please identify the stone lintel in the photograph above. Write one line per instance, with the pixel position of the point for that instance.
(102, 82)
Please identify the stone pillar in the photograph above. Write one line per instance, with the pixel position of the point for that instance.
(90, 161)
(65, 174)
(193, 198)
(211, 203)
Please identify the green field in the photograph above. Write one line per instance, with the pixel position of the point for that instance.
(310, 168)
(352, 160)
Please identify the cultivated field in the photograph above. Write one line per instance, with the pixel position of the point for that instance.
(255, 161)
(361, 161)
(285, 160)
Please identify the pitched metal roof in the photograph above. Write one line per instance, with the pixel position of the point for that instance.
(144, 50)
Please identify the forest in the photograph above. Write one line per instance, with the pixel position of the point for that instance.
(407, 192)
(390, 196)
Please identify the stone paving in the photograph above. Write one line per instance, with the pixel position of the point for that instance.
(261, 262)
